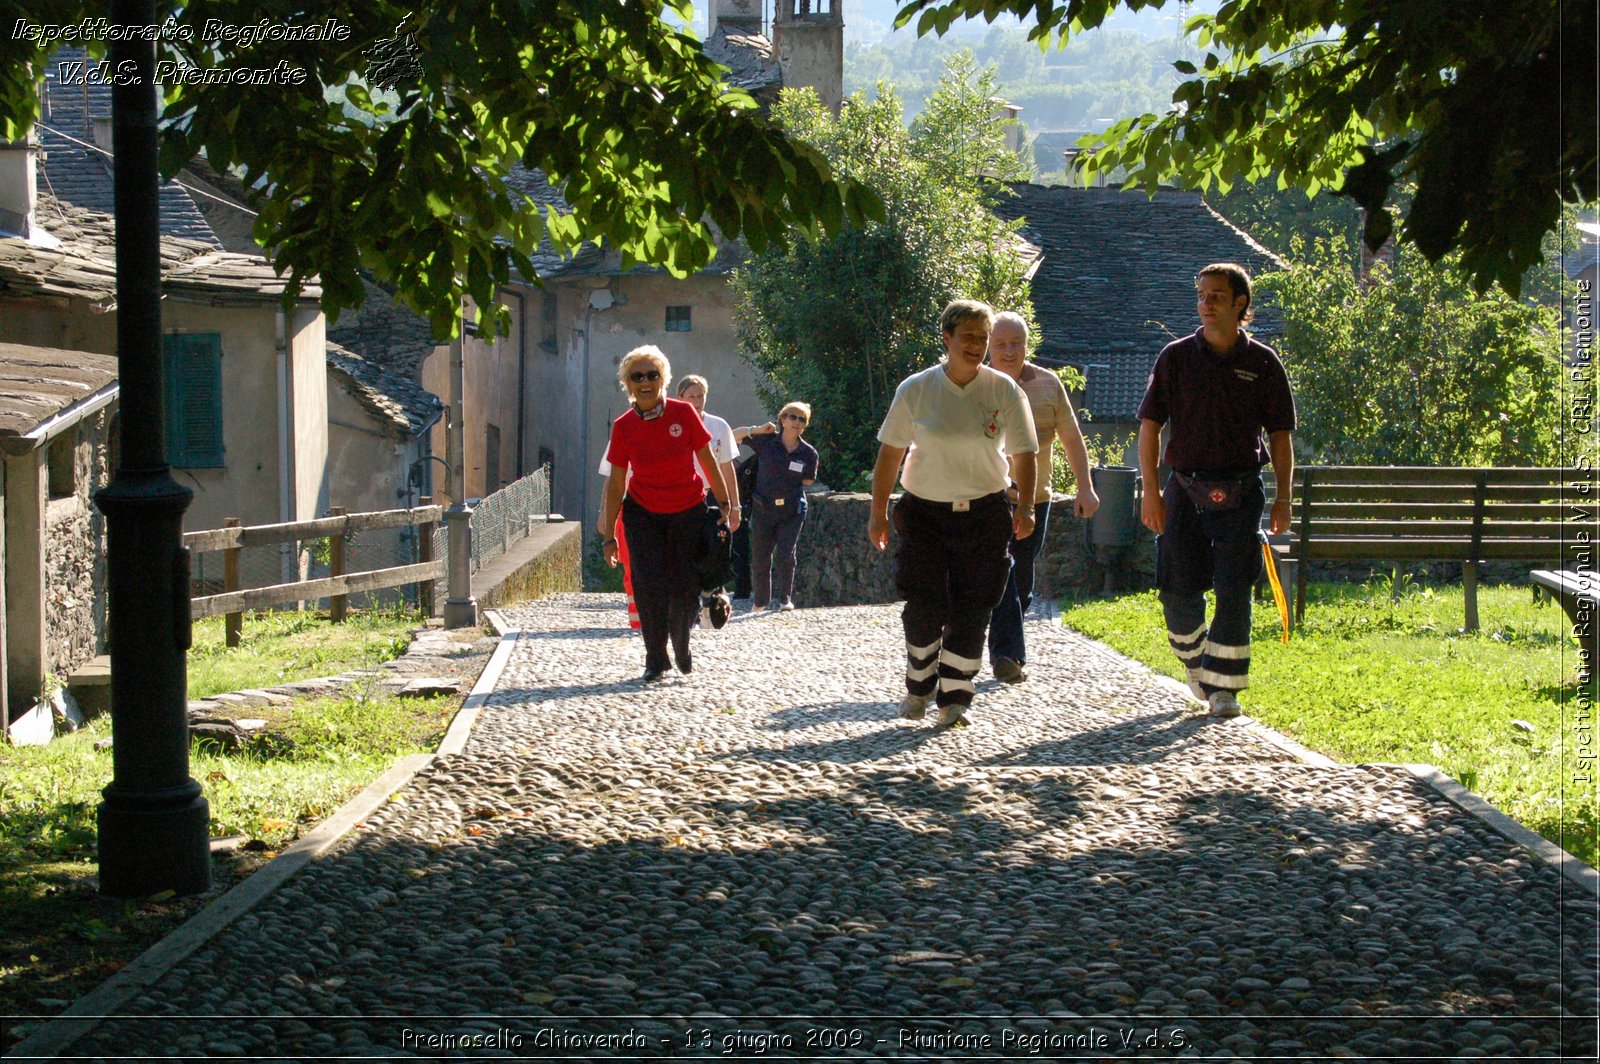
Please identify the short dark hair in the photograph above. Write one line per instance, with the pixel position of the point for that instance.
(1238, 282)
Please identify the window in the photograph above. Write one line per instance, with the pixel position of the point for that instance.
(678, 319)
(63, 458)
(194, 400)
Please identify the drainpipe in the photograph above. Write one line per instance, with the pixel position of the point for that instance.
(280, 343)
(522, 384)
(460, 608)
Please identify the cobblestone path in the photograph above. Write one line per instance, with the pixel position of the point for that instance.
(761, 861)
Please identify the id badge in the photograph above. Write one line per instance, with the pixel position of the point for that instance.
(961, 507)
(797, 467)
(778, 502)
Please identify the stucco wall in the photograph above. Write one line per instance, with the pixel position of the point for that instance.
(309, 349)
(75, 569)
(366, 468)
(600, 321)
(247, 486)
(492, 385)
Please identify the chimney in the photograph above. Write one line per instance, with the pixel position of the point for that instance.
(18, 195)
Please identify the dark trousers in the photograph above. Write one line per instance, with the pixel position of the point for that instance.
(1005, 624)
(775, 531)
(739, 554)
(951, 567)
(1210, 550)
(663, 548)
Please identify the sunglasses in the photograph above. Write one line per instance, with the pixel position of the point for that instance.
(640, 376)
(794, 417)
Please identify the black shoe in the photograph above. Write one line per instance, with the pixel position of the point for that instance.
(1009, 670)
(685, 664)
(720, 608)
(653, 674)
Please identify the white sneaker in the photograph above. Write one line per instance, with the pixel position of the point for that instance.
(914, 707)
(788, 604)
(1194, 686)
(1224, 704)
(948, 715)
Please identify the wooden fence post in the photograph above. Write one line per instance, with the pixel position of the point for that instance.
(425, 554)
(337, 604)
(233, 623)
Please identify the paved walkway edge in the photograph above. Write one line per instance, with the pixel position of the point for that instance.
(52, 1039)
(1576, 872)
(455, 740)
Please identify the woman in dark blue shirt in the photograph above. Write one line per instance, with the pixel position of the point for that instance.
(785, 464)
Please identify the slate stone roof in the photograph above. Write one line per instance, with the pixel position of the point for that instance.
(37, 383)
(1116, 283)
(384, 333)
(73, 170)
(396, 400)
(84, 266)
(751, 59)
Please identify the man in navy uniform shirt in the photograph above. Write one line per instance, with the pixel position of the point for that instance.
(1220, 392)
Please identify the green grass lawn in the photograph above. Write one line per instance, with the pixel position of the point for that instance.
(62, 938)
(1372, 679)
(284, 646)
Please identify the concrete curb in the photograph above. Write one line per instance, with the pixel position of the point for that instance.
(57, 1034)
(1576, 872)
(455, 740)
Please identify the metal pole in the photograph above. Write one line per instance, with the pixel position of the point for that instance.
(460, 608)
(153, 823)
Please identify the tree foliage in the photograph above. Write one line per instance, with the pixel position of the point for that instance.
(626, 115)
(839, 322)
(1414, 368)
(1486, 106)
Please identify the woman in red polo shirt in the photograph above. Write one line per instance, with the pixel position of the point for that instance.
(663, 504)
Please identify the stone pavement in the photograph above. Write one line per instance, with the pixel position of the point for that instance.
(761, 861)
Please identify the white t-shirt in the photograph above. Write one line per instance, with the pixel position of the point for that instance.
(958, 437)
(723, 449)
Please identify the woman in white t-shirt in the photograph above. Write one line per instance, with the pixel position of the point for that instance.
(954, 425)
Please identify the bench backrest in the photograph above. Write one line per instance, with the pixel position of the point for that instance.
(1425, 512)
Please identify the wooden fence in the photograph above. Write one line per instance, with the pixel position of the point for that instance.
(337, 586)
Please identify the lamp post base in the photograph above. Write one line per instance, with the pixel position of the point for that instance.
(461, 613)
(147, 850)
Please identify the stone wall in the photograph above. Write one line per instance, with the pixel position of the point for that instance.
(838, 567)
(75, 555)
(543, 563)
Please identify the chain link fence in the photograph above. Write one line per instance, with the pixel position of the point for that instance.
(499, 520)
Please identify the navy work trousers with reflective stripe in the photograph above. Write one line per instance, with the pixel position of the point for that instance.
(1210, 550)
(951, 566)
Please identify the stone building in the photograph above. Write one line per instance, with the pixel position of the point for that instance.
(57, 412)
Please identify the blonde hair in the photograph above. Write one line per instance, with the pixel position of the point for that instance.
(648, 352)
(961, 310)
(803, 409)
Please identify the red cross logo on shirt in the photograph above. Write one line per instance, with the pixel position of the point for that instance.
(1217, 495)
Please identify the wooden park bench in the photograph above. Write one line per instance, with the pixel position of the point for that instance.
(1579, 595)
(1426, 513)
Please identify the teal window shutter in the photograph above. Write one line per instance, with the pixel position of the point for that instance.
(194, 400)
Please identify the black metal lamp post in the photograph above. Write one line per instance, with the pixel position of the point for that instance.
(153, 822)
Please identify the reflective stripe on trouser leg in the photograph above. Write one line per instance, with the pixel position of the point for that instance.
(1225, 667)
(922, 668)
(1188, 646)
(955, 678)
